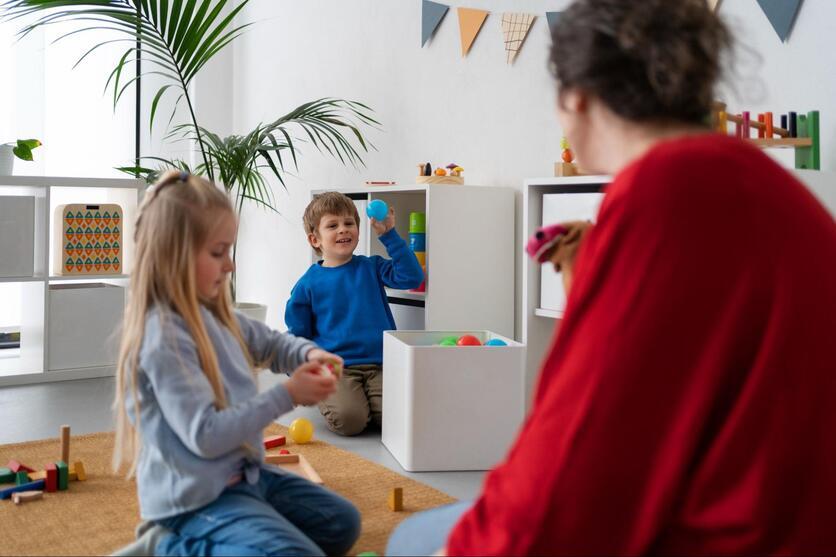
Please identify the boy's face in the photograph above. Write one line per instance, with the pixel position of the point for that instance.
(336, 237)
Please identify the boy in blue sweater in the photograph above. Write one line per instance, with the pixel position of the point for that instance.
(340, 304)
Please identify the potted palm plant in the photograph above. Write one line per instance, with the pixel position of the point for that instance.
(175, 39)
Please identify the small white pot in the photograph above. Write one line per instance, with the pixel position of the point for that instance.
(7, 160)
(253, 311)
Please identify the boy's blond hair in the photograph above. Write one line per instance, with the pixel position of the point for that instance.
(328, 203)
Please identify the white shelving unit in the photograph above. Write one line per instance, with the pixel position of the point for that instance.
(538, 323)
(30, 363)
(470, 254)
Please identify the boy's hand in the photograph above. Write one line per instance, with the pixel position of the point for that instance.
(386, 225)
(331, 361)
(308, 386)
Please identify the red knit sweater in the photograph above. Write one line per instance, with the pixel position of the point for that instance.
(688, 405)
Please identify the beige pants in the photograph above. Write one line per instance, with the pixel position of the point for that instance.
(358, 400)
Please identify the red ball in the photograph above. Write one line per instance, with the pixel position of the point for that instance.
(468, 340)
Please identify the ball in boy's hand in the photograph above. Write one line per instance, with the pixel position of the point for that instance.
(377, 209)
(301, 431)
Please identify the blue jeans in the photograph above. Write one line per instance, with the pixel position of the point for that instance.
(425, 533)
(282, 514)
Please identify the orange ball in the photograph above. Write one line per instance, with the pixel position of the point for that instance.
(440, 172)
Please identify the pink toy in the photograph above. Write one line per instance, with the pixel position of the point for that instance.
(544, 240)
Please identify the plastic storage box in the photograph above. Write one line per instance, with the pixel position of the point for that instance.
(450, 407)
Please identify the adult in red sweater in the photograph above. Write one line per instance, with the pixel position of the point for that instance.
(688, 404)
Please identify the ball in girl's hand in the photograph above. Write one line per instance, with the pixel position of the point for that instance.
(301, 431)
(377, 209)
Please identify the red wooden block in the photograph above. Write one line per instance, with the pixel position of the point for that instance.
(16, 466)
(274, 441)
(51, 477)
(284, 451)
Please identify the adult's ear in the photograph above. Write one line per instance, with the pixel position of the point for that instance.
(573, 100)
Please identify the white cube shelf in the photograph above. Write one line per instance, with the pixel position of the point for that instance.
(83, 322)
(17, 236)
(450, 407)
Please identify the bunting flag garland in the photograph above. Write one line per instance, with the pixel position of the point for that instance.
(781, 14)
(551, 18)
(431, 15)
(515, 28)
(470, 23)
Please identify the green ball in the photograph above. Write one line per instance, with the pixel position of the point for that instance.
(448, 341)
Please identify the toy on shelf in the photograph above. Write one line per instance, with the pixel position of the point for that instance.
(395, 501)
(301, 430)
(568, 166)
(426, 175)
(797, 131)
(418, 244)
(377, 209)
(90, 239)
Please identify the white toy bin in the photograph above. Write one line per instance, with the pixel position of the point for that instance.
(450, 407)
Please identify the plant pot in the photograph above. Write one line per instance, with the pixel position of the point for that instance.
(7, 160)
(257, 312)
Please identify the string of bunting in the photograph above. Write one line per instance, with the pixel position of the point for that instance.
(516, 25)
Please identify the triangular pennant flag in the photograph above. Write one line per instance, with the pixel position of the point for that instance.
(713, 4)
(431, 15)
(781, 14)
(551, 18)
(515, 27)
(470, 22)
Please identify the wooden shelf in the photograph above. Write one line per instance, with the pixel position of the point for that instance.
(784, 143)
(21, 279)
(550, 313)
(405, 294)
(70, 182)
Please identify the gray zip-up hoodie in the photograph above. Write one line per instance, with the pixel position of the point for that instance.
(190, 450)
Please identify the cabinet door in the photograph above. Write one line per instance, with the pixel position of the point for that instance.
(561, 207)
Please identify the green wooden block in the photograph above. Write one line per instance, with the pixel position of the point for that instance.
(21, 478)
(367, 554)
(63, 475)
(809, 158)
(6, 476)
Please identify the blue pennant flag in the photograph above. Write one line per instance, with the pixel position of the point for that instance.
(551, 18)
(431, 15)
(781, 14)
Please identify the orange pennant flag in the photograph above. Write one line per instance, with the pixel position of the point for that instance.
(470, 23)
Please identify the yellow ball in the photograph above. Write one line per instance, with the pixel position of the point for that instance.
(301, 430)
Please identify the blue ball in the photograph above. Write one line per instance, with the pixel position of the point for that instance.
(377, 210)
(496, 342)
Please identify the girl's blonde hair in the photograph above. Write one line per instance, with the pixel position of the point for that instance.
(174, 222)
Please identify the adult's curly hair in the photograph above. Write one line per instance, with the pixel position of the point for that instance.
(647, 60)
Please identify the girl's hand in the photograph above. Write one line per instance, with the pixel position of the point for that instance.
(327, 359)
(309, 386)
(386, 225)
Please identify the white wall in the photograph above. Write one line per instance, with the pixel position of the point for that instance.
(495, 120)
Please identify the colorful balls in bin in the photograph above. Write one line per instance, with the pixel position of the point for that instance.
(377, 209)
(496, 342)
(468, 340)
(448, 341)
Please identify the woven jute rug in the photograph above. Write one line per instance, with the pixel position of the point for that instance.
(97, 516)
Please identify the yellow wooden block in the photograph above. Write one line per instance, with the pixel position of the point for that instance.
(396, 499)
(39, 475)
(78, 469)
